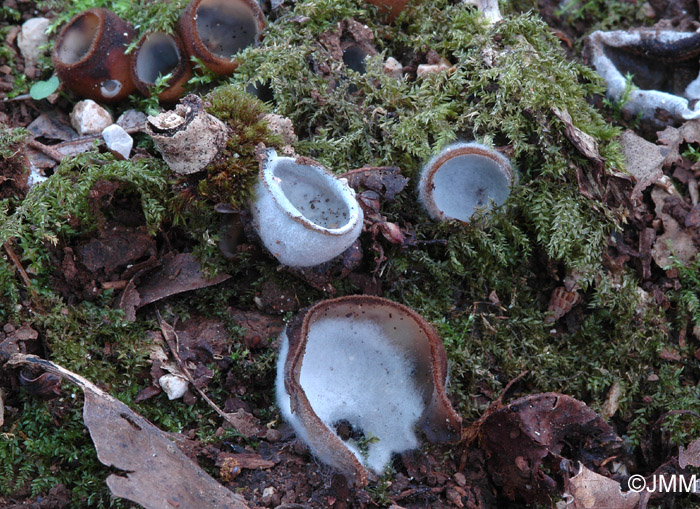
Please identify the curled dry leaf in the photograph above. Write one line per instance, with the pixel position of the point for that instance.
(154, 472)
(674, 137)
(590, 491)
(584, 142)
(518, 437)
(690, 456)
(369, 363)
(675, 240)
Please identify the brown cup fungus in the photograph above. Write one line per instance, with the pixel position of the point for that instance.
(89, 56)
(368, 364)
(159, 54)
(216, 30)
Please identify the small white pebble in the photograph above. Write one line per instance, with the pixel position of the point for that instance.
(174, 386)
(32, 36)
(118, 140)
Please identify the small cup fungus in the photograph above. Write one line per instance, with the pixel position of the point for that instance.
(215, 30)
(303, 214)
(159, 54)
(462, 178)
(373, 365)
(89, 56)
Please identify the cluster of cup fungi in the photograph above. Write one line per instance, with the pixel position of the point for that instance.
(90, 52)
(372, 363)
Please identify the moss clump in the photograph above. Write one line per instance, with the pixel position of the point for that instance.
(232, 176)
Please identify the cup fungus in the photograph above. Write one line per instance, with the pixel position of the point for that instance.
(664, 66)
(215, 30)
(462, 178)
(373, 365)
(303, 214)
(89, 56)
(188, 138)
(159, 54)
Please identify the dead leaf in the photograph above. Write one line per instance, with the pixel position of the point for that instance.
(179, 273)
(116, 247)
(644, 161)
(155, 473)
(519, 436)
(591, 491)
(250, 461)
(244, 422)
(675, 239)
(257, 327)
(674, 137)
(2, 407)
(385, 180)
(584, 142)
(690, 456)
(52, 127)
(612, 400)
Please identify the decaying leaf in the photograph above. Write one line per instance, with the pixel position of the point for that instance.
(520, 436)
(612, 400)
(674, 137)
(644, 161)
(385, 180)
(155, 473)
(675, 240)
(591, 491)
(179, 273)
(584, 142)
(690, 456)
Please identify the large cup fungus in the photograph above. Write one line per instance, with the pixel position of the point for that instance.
(159, 54)
(304, 215)
(373, 365)
(216, 30)
(89, 56)
(463, 178)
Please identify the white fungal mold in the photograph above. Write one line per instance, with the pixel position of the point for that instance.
(304, 215)
(463, 178)
(369, 364)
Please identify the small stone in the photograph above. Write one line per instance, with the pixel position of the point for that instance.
(174, 386)
(88, 117)
(393, 68)
(460, 479)
(424, 69)
(31, 38)
(132, 119)
(118, 140)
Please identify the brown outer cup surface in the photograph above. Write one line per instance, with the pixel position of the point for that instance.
(181, 74)
(104, 61)
(187, 28)
(390, 8)
(439, 420)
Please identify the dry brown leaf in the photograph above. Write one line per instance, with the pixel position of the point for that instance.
(179, 273)
(675, 240)
(644, 161)
(584, 142)
(156, 474)
(690, 456)
(592, 491)
(674, 137)
(612, 401)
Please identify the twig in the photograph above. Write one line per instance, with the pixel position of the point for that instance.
(171, 338)
(22, 273)
(45, 149)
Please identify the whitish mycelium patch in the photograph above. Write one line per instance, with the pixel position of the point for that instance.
(303, 214)
(462, 178)
(372, 364)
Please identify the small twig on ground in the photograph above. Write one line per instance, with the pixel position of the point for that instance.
(171, 339)
(22, 273)
(47, 150)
